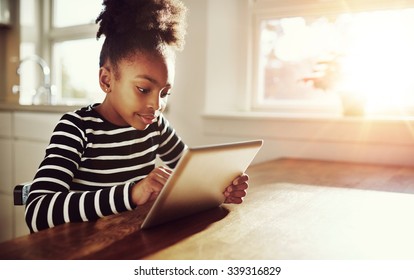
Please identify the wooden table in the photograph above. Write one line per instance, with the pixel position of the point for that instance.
(295, 209)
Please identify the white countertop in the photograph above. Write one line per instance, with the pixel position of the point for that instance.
(38, 108)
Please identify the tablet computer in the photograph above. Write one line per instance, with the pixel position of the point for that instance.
(199, 180)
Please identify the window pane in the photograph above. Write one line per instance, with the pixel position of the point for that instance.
(284, 60)
(75, 71)
(75, 12)
(316, 58)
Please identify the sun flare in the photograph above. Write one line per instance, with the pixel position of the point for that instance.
(369, 54)
(380, 59)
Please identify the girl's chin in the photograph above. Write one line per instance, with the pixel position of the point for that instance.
(139, 125)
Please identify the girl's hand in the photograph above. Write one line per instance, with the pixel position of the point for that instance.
(237, 190)
(149, 188)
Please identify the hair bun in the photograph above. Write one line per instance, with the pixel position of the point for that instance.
(162, 19)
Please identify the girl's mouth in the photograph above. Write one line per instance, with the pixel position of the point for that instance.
(148, 119)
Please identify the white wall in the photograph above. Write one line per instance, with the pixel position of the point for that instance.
(210, 70)
(210, 102)
(187, 101)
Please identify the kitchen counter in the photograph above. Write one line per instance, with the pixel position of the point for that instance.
(39, 108)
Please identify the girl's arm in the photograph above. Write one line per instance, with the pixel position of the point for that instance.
(51, 202)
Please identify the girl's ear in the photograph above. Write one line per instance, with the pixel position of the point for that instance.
(105, 79)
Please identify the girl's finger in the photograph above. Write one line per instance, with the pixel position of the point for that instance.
(236, 194)
(242, 186)
(241, 179)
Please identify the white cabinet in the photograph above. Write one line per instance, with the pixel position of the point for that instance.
(5, 124)
(19, 225)
(27, 157)
(6, 189)
(24, 137)
(31, 135)
(6, 176)
(6, 165)
(35, 127)
(24, 170)
(32, 132)
(6, 217)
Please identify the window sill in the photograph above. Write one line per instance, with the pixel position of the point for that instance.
(321, 128)
(387, 141)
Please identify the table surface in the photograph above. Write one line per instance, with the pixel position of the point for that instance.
(295, 209)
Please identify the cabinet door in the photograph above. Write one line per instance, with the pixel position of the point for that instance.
(6, 160)
(6, 124)
(6, 166)
(32, 132)
(6, 217)
(35, 126)
(25, 166)
(20, 227)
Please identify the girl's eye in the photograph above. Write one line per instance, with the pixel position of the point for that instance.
(165, 94)
(143, 90)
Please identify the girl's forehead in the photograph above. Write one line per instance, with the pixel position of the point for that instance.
(155, 64)
(145, 57)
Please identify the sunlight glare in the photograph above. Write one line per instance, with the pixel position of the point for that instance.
(380, 58)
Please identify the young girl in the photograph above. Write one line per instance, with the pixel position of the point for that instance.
(101, 158)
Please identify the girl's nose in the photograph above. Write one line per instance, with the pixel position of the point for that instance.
(154, 102)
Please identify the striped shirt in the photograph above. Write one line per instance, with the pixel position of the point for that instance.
(90, 166)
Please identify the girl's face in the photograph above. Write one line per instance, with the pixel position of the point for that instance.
(137, 92)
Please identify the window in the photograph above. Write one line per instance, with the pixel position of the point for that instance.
(314, 56)
(75, 70)
(75, 12)
(68, 45)
(75, 51)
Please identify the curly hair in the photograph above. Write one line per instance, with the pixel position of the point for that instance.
(132, 26)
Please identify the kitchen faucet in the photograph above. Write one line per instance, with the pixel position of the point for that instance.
(44, 94)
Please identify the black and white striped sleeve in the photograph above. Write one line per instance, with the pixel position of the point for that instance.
(51, 201)
(171, 147)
